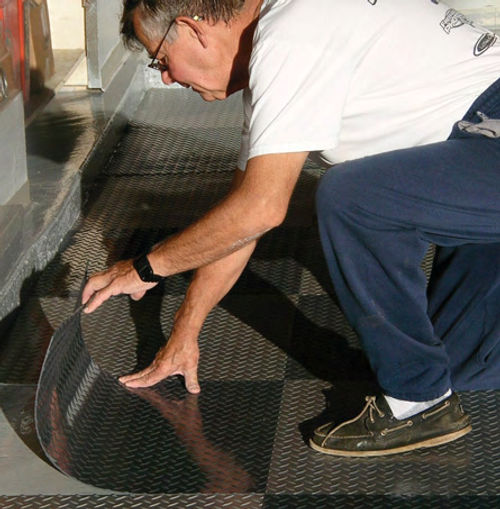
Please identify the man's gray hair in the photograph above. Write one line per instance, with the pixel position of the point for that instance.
(156, 15)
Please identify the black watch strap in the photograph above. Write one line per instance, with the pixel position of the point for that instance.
(143, 268)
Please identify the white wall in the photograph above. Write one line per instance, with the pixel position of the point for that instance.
(105, 51)
(67, 24)
(108, 17)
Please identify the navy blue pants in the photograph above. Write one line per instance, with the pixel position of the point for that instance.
(378, 216)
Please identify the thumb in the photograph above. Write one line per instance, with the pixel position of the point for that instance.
(191, 380)
(138, 295)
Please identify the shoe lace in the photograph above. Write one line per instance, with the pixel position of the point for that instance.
(371, 404)
(370, 407)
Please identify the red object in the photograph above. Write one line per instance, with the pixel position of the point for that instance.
(13, 37)
(22, 51)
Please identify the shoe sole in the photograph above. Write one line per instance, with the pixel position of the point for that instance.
(432, 442)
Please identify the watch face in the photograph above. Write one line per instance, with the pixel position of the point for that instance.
(144, 270)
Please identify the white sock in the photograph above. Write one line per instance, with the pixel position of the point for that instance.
(402, 409)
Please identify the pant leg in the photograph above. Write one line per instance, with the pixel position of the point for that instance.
(464, 306)
(377, 216)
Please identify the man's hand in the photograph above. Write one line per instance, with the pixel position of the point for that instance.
(178, 357)
(118, 279)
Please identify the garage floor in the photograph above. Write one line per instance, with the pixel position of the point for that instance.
(277, 358)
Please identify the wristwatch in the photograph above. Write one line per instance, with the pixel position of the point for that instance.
(144, 270)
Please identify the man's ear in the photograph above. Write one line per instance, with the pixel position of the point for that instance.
(198, 28)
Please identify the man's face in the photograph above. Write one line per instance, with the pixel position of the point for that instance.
(193, 58)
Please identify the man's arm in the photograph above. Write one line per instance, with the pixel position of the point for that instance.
(181, 353)
(251, 209)
(208, 286)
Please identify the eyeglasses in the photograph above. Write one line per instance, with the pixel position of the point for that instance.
(156, 64)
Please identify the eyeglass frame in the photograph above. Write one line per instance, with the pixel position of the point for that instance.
(156, 64)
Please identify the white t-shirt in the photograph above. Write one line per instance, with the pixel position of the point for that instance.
(350, 78)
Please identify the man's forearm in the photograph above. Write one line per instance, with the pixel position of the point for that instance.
(181, 353)
(227, 228)
(209, 285)
(257, 203)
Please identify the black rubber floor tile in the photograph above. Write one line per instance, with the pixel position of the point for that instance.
(175, 133)
(377, 502)
(311, 284)
(93, 250)
(269, 276)
(133, 502)
(153, 440)
(274, 267)
(484, 468)
(163, 201)
(467, 467)
(315, 279)
(124, 335)
(23, 346)
(151, 150)
(241, 339)
(173, 108)
(322, 344)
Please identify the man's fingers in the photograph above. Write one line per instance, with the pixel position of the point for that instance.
(147, 380)
(99, 297)
(118, 279)
(127, 378)
(191, 380)
(94, 284)
(151, 376)
(170, 360)
(88, 291)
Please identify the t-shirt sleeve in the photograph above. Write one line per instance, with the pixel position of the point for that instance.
(294, 100)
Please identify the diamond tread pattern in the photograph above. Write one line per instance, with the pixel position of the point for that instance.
(244, 502)
(133, 502)
(460, 468)
(276, 352)
(156, 440)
